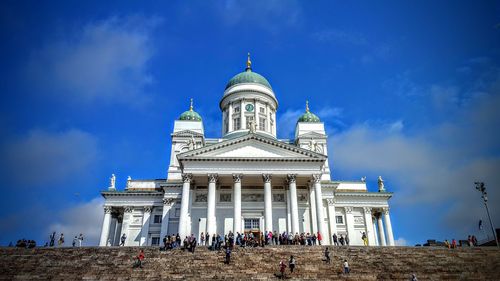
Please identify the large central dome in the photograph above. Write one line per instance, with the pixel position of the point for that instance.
(248, 77)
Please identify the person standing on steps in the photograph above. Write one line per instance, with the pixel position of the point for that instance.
(207, 239)
(74, 241)
(291, 264)
(202, 239)
(319, 238)
(347, 239)
(52, 239)
(61, 240)
(228, 255)
(365, 240)
(347, 270)
(80, 240)
(123, 239)
(414, 277)
(335, 240)
(341, 240)
(327, 255)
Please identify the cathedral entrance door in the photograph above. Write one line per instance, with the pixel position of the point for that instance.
(252, 225)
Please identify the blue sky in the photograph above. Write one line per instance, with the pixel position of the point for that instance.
(407, 90)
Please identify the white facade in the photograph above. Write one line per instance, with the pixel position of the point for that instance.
(248, 180)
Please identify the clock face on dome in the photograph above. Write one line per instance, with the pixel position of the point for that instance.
(249, 107)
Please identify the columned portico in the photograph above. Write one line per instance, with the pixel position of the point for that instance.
(145, 225)
(184, 216)
(237, 203)
(319, 207)
(105, 226)
(268, 201)
(294, 206)
(211, 222)
(388, 227)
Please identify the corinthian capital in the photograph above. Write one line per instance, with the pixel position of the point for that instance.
(168, 201)
(385, 210)
(187, 177)
(128, 209)
(213, 177)
(291, 178)
(107, 209)
(348, 210)
(237, 177)
(316, 178)
(367, 210)
(330, 201)
(148, 209)
(267, 177)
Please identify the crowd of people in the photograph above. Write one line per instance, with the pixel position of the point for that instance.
(471, 242)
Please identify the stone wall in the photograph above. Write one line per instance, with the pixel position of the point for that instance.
(367, 263)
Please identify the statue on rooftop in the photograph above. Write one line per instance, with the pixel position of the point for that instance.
(112, 181)
(381, 187)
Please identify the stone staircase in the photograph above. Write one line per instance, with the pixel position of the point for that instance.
(367, 263)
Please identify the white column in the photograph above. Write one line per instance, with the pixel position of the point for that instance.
(105, 226)
(167, 205)
(237, 203)
(288, 211)
(312, 210)
(331, 218)
(370, 232)
(127, 215)
(349, 220)
(242, 115)
(319, 208)
(380, 227)
(268, 202)
(211, 223)
(184, 216)
(268, 119)
(255, 114)
(374, 223)
(145, 225)
(388, 227)
(294, 206)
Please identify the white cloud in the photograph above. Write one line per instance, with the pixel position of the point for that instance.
(104, 60)
(401, 242)
(43, 157)
(434, 166)
(85, 218)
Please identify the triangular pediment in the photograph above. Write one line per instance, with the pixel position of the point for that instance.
(312, 135)
(187, 133)
(252, 146)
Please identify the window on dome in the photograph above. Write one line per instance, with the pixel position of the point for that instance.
(262, 124)
(236, 124)
(262, 110)
(237, 109)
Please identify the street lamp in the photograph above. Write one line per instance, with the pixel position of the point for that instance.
(480, 187)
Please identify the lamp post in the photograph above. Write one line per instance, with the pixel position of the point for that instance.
(480, 187)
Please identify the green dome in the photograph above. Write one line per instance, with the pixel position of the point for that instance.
(190, 115)
(248, 77)
(308, 117)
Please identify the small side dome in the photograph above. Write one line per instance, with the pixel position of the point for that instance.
(190, 115)
(308, 117)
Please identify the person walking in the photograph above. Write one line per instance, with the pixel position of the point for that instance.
(52, 239)
(139, 259)
(335, 240)
(347, 270)
(282, 269)
(327, 255)
(291, 264)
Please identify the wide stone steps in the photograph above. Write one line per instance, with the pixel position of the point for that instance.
(367, 263)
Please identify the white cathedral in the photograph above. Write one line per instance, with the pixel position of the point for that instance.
(246, 181)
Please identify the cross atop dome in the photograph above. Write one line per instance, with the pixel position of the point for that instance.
(249, 63)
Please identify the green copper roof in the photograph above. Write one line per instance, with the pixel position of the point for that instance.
(248, 77)
(190, 115)
(308, 117)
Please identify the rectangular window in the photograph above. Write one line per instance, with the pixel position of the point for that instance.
(262, 110)
(262, 124)
(157, 219)
(339, 219)
(279, 197)
(155, 241)
(237, 109)
(236, 124)
(177, 212)
(252, 224)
